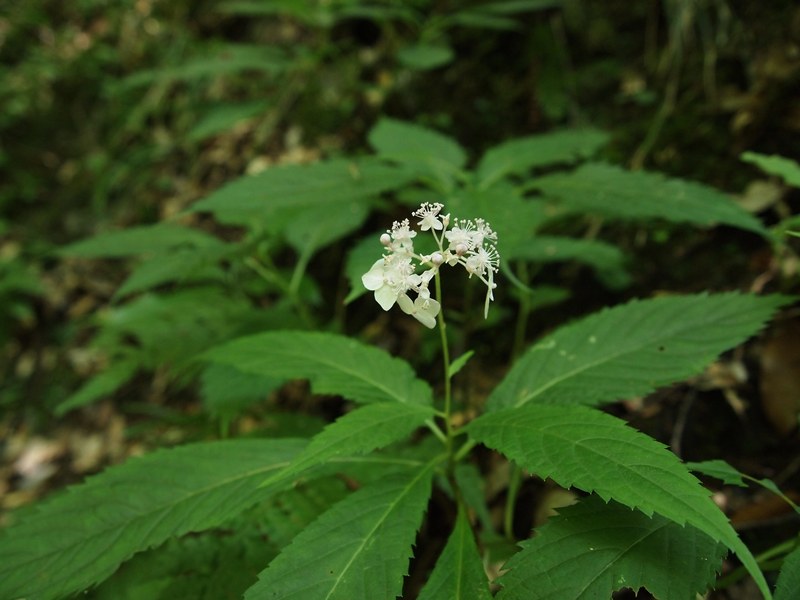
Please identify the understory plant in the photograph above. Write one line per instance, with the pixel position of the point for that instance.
(341, 514)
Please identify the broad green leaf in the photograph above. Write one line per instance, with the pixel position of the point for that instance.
(334, 365)
(785, 168)
(607, 260)
(515, 218)
(612, 191)
(144, 239)
(170, 329)
(419, 148)
(592, 549)
(101, 385)
(317, 227)
(282, 191)
(718, 469)
(79, 538)
(519, 155)
(358, 549)
(459, 573)
(789, 578)
(423, 57)
(596, 452)
(226, 390)
(630, 350)
(358, 432)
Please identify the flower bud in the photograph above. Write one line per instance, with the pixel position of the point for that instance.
(437, 258)
(386, 239)
(461, 249)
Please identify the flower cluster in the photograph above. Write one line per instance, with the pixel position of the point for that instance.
(468, 243)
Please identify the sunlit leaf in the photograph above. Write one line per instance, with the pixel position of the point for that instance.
(785, 168)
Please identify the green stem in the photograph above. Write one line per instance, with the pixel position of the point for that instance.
(761, 559)
(514, 483)
(448, 427)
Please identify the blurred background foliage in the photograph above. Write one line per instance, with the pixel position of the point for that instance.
(117, 114)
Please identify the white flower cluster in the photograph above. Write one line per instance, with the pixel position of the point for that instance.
(470, 244)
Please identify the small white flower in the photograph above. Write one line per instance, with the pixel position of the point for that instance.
(428, 215)
(422, 309)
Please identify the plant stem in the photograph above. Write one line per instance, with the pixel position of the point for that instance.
(448, 428)
(514, 482)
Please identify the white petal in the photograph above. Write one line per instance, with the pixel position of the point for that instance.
(405, 304)
(373, 279)
(386, 297)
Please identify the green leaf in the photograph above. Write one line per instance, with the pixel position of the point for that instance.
(182, 266)
(423, 57)
(225, 390)
(418, 147)
(593, 451)
(334, 365)
(785, 168)
(631, 350)
(144, 239)
(315, 228)
(361, 257)
(459, 573)
(358, 549)
(720, 470)
(101, 385)
(519, 155)
(358, 432)
(607, 260)
(282, 191)
(612, 191)
(789, 578)
(65, 547)
(459, 363)
(592, 549)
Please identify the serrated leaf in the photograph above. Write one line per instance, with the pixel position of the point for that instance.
(789, 577)
(718, 469)
(596, 452)
(519, 155)
(630, 350)
(592, 549)
(785, 168)
(334, 364)
(358, 432)
(358, 549)
(144, 239)
(459, 573)
(593, 451)
(282, 191)
(79, 538)
(603, 189)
